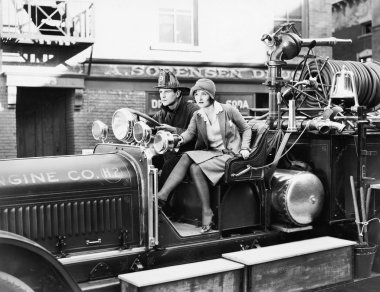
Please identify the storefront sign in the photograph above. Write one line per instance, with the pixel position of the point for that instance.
(149, 71)
(243, 102)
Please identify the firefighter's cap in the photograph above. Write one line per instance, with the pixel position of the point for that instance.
(167, 79)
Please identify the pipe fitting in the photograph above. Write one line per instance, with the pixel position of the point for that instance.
(324, 126)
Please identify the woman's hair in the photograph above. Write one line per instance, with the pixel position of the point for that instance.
(209, 95)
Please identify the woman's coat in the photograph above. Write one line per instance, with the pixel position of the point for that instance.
(235, 131)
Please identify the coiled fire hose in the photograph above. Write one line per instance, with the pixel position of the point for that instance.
(366, 77)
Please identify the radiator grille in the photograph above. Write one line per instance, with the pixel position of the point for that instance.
(47, 220)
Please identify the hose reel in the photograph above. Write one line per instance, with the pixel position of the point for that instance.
(366, 77)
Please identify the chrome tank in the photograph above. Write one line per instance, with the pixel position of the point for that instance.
(297, 196)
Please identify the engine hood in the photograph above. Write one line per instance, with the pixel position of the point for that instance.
(32, 176)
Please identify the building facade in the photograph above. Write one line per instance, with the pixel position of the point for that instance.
(353, 20)
(83, 66)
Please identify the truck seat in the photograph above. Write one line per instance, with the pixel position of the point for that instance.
(236, 166)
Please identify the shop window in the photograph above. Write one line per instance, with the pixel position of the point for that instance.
(152, 102)
(366, 28)
(289, 11)
(178, 24)
(260, 106)
(365, 59)
(262, 100)
(364, 56)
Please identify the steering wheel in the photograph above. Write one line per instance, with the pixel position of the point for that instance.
(145, 116)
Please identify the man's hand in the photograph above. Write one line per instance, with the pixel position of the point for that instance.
(168, 128)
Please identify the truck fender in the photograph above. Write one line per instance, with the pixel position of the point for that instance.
(8, 283)
(25, 264)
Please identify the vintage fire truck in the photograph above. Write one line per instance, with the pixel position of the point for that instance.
(72, 223)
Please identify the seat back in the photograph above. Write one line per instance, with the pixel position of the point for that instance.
(257, 156)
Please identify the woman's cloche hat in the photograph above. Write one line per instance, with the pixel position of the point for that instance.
(206, 85)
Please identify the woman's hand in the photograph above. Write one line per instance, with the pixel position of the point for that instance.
(244, 153)
(180, 141)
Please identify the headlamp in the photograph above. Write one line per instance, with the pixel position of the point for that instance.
(99, 130)
(122, 124)
(165, 141)
(142, 133)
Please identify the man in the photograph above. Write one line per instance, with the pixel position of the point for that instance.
(174, 116)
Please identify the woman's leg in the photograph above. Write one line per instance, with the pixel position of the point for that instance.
(176, 177)
(202, 188)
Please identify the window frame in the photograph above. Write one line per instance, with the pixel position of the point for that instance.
(364, 28)
(174, 46)
(303, 20)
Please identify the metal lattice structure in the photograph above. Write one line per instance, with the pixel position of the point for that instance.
(46, 31)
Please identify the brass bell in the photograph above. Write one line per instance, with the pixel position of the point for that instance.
(343, 86)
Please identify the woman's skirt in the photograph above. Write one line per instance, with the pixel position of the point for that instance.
(211, 162)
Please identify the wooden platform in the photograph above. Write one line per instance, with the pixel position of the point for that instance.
(213, 275)
(297, 266)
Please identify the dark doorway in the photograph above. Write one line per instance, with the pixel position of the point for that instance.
(41, 121)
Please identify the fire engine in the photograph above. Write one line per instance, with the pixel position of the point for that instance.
(76, 222)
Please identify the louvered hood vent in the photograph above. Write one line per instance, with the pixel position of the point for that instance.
(44, 221)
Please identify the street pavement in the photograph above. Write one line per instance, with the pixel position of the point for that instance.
(371, 284)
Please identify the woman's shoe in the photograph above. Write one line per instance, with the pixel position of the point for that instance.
(208, 226)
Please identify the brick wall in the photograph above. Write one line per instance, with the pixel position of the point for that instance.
(98, 104)
(347, 22)
(349, 52)
(320, 17)
(376, 30)
(8, 146)
(70, 146)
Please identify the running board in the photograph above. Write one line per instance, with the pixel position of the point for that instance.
(287, 229)
(100, 285)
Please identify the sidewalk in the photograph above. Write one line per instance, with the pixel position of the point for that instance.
(371, 284)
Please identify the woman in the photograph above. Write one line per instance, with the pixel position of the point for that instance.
(217, 127)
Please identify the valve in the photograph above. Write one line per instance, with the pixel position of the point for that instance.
(286, 42)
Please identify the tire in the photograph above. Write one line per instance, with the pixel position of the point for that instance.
(9, 283)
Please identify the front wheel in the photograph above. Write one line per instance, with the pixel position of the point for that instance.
(9, 283)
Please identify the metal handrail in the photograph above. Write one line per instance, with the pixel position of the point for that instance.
(47, 20)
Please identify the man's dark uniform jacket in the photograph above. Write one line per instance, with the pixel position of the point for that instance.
(179, 118)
